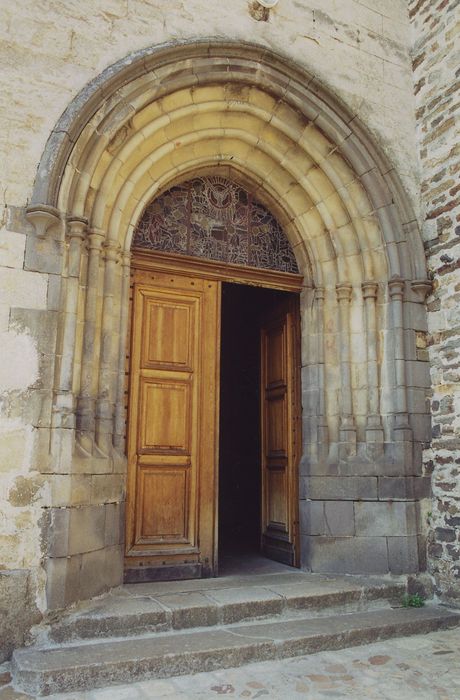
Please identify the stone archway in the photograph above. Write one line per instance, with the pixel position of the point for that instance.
(154, 120)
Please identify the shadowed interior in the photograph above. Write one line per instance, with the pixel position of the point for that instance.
(239, 442)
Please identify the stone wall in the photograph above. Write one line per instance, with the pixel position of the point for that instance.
(436, 64)
(358, 49)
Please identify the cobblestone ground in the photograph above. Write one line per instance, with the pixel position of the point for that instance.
(425, 667)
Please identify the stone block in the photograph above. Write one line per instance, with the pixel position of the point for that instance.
(403, 555)
(70, 490)
(40, 323)
(190, 609)
(392, 518)
(312, 518)
(421, 426)
(106, 488)
(339, 518)
(19, 288)
(345, 555)
(98, 570)
(114, 565)
(402, 488)
(43, 255)
(396, 487)
(86, 529)
(18, 611)
(62, 581)
(418, 400)
(113, 524)
(12, 246)
(15, 445)
(339, 488)
(56, 531)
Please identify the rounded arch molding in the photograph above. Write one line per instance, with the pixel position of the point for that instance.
(161, 117)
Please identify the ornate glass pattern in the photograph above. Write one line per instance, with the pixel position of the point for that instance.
(214, 218)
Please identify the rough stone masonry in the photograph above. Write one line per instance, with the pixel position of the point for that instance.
(436, 66)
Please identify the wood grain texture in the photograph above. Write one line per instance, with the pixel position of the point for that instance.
(172, 420)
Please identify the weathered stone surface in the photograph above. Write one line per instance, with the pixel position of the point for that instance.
(76, 667)
(40, 85)
(357, 555)
(389, 518)
(338, 488)
(18, 611)
(435, 65)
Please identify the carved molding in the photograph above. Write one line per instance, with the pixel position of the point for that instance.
(43, 217)
(421, 289)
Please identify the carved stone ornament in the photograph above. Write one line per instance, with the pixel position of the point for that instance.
(42, 217)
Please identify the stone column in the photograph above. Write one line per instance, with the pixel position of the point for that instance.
(63, 415)
(396, 290)
(77, 228)
(120, 429)
(86, 400)
(374, 429)
(347, 421)
(105, 400)
(322, 426)
(402, 431)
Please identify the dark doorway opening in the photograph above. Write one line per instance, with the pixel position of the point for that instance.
(240, 490)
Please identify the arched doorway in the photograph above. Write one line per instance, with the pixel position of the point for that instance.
(214, 390)
(154, 121)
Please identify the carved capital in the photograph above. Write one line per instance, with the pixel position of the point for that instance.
(396, 287)
(76, 227)
(343, 291)
(320, 293)
(96, 238)
(421, 289)
(42, 217)
(111, 251)
(370, 290)
(126, 256)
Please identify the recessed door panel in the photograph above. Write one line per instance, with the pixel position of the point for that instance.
(277, 498)
(163, 511)
(165, 415)
(277, 415)
(275, 338)
(168, 337)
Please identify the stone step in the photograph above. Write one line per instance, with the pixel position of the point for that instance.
(145, 608)
(91, 665)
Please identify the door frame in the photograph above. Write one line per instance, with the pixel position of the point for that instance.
(150, 260)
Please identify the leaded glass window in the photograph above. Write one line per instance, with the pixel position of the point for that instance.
(214, 218)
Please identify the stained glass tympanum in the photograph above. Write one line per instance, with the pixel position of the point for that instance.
(214, 218)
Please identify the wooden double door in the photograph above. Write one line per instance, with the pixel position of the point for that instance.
(172, 520)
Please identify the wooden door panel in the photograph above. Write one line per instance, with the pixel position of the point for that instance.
(162, 516)
(165, 416)
(172, 427)
(276, 355)
(276, 410)
(280, 420)
(168, 338)
(277, 502)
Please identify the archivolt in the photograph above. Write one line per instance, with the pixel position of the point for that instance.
(162, 116)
